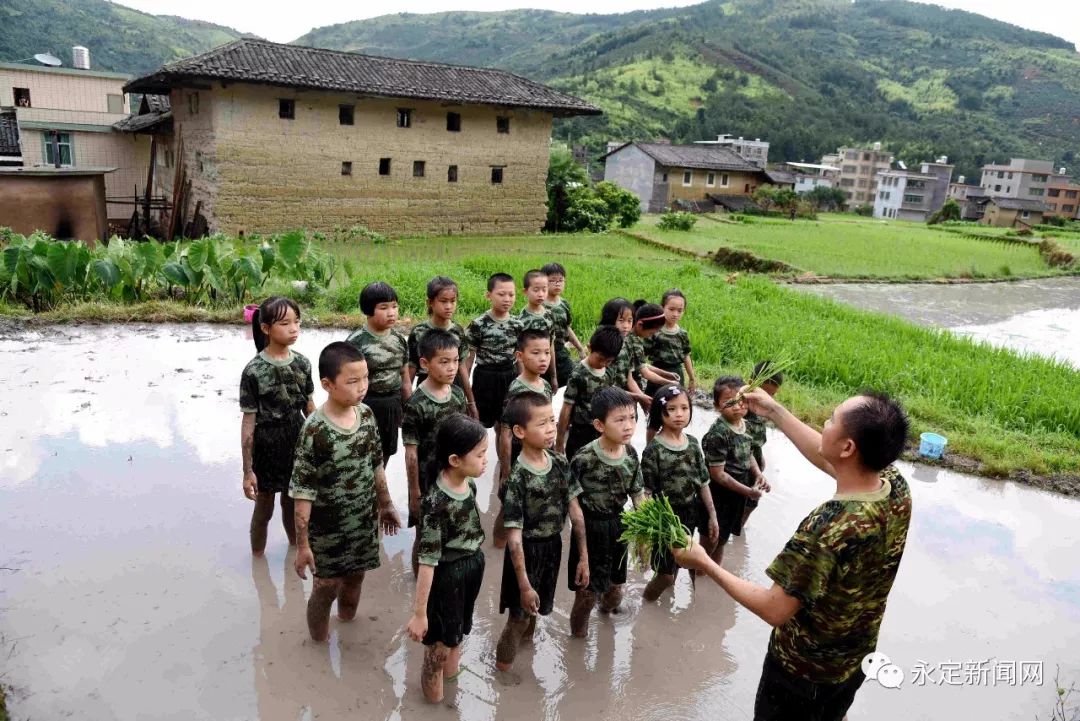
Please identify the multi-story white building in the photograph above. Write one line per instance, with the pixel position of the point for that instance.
(813, 175)
(859, 168)
(755, 152)
(913, 195)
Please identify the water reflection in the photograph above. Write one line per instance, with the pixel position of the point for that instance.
(136, 592)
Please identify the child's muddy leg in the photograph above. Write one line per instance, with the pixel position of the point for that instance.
(584, 602)
(323, 593)
(659, 583)
(260, 519)
(288, 518)
(506, 650)
(431, 675)
(610, 601)
(348, 597)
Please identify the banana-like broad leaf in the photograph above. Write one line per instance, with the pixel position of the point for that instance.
(106, 271)
(246, 271)
(63, 259)
(151, 256)
(268, 255)
(196, 254)
(174, 273)
(291, 246)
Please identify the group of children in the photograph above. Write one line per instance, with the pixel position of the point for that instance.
(444, 386)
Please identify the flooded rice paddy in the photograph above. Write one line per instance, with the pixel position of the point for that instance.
(127, 589)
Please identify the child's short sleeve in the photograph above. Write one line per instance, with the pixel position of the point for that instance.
(715, 448)
(414, 349)
(685, 344)
(411, 422)
(430, 550)
(309, 385)
(650, 469)
(474, 334)
(569, 315)
(249, 392)
(463, 347)
(514, 501)
(636, 486)
(371, 433)
(700, 469)
(303, 486)
(806, 563)
(573, 389)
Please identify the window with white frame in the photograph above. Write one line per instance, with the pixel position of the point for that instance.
(63, 145)
(687, 177)
(710, 179)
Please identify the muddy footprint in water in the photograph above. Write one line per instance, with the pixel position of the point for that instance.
(508, 678)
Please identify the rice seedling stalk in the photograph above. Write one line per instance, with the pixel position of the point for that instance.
(654, 527)
(781, 364)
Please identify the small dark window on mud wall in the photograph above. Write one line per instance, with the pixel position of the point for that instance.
(345, 114)
(497, 176)
(384, 166)
(286, 109)
(404, 118)
(346, 167)
(418, 168)
(502, 124)
(451, 174)
(22, 97)
(453, 122)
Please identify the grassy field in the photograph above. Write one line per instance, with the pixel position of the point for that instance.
(1008, 412)
(846, 248)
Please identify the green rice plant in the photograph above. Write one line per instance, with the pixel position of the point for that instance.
(653, 527)
(779, 365)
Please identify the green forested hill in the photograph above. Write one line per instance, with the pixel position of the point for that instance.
(807, 75)
(119, 38)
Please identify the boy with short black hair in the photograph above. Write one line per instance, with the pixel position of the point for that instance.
(538, 500)
(603, 475)
(576, 427)
(733, 473)
(492, 342)
(387, 353)
(533, 354)
(435, 398)
(535, 315)
(755, 426)
(563, 321)
(339, 491)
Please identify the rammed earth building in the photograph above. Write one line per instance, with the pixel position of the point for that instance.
(282, 136)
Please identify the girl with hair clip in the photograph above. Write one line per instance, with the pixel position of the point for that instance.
(673, 466)
(669, 349)
(275, 396)
(648, 319)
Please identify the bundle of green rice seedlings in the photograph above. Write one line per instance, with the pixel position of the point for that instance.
(781, 364)
(654, 527)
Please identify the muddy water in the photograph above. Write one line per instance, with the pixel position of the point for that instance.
(128, 591)
(1036, 316)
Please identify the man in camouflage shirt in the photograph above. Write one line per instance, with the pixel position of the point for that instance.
(832, 579)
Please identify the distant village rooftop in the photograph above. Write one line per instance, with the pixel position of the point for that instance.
(293, 66)
(704, 157)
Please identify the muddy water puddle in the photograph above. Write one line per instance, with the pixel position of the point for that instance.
(1035, 316)
(128, 590)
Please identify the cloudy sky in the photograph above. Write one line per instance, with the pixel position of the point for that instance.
(285, 22)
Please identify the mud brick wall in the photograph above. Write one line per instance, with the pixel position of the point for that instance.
(261, 173)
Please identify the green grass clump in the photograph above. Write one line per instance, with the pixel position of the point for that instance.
(654, 527)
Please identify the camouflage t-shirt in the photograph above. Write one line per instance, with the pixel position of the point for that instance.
(624, 363)
(561, 320)
(451, 527)
(537, 500)
(724, 446)
(584, 381)
(518, 386)
(493, 340)
(755, 427)
(677, 472)
(841, 564)
(536, 321)
(386, 355)
(635, 351)
(603, 484)
(335, 470)
(418, 332)
(275, 390)
(423, 414)
(667, 349)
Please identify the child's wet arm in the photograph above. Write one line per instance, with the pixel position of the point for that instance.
(572, 337)
(382, 492)
(412, 470)
(706, 498)
(247, 440)
(577, 527)
(424, 577)
(310, 407)
(773, 605)
(722, 478)
(517, 557)
(406, 383)
(564, 424)
(301, 518)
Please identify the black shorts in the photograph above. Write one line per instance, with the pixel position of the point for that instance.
(607, 554)
(450, 603)
(388, 411)
(693, 517)
(564, 365)
(782, 696)
(729, 507)
(273, 451)
(542, 558)
(578, 437)
(490, 384)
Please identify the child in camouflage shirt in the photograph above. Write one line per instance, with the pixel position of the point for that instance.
(387, 354)
(536, 316)
(451, 562)
(442, 302)
(669, 350)
(275, 395)
(604, 474)
(619, 312)
(576, 426)
(434, 400)
(673, 466)
(755, 426)
(539, 496)
(563, 321)
(339, 489)
(733, 471)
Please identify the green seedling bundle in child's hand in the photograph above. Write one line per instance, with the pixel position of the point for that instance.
(653, 527)
(782, 364)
